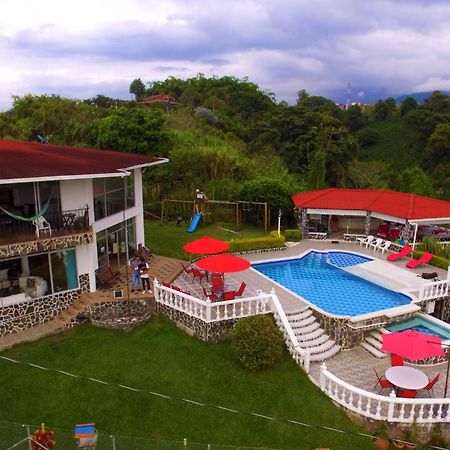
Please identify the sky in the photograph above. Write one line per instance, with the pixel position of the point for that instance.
(82, 48)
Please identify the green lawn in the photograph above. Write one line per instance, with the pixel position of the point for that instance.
(158, 356)
(167, 239)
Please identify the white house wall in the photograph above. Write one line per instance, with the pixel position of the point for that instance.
(76, 194)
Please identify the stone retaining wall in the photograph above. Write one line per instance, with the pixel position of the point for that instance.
(35, 312)
(213, 332)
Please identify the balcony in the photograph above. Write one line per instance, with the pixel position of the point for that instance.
(63, 224)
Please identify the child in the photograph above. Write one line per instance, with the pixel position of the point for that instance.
(179, 219)
(145, 278)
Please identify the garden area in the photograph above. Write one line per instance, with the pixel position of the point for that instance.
(159, 357)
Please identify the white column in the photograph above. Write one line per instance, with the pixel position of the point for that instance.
(139, 202)
(415, 236)
(86, 258)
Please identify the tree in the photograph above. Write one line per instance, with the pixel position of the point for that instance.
(438, 147)
(407, 105)
(437, 102)
(317, 170)
(132, 130)
(137, 88)
(390, 103)
(381, 110)
(354, 118)
(416, 181)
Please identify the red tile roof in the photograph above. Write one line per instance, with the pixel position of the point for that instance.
(391, 203)
(24, 160)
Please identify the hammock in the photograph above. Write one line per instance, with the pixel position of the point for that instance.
(29, 219)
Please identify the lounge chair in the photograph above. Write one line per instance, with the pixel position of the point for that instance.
(403, 253)
(384, 246)
(384, 384)
(366, 241)
(424, 259)
(430, 385)
(376, 243)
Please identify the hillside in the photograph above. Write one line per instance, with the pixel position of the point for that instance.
(420, 97)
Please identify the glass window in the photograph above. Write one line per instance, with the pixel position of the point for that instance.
(39, 268)
(64, 270)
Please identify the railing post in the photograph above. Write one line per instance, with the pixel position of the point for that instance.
(306, 360)
(322, 380)
(208, 310)
(391, 407)
(156, 290)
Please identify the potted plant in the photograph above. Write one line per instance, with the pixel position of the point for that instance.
(380, 438)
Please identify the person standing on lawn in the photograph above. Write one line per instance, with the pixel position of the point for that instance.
(145, 277)
(136, 282)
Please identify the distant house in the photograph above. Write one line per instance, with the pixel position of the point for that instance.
(64, 213)
(162, 99)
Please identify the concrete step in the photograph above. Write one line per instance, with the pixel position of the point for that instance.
(322, 347)
(325, 355)
(372, 350)
(374, 342)
(308, 329)
(300, 316)
(314, 342)
(303, 323)
(298, 311)
(308, 336)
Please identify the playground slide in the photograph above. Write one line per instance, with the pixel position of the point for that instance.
(195, 220)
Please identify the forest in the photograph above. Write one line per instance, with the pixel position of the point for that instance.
(233, 140)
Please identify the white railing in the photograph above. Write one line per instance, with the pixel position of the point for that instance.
(300, 355)
(208, 311)
(353, 237)
(380, 407)
(317, 236)
(436, 289)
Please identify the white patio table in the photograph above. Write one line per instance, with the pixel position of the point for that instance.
(406, 377)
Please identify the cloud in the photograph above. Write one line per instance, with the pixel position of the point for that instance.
(383, 48)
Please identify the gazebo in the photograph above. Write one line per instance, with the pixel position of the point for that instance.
(366, 210)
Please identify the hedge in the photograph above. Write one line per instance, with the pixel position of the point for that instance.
(245, 245)
(436, 261)
(293, 235)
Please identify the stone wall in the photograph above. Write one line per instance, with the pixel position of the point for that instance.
(214, 331)
(44, 245)
(34, 312)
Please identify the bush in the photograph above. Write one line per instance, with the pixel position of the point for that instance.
(257, 342)
(293, 235)
(436, 261)
(245, 245)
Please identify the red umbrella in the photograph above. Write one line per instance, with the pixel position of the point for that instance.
(412, 345)
(206, 246)
(223, 264)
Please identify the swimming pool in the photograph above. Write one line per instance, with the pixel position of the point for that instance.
(320, 278)
(433, 327)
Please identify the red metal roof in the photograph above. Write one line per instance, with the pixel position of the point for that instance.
(23, 160)
(391, 203)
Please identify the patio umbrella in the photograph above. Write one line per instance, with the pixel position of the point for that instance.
(206, 246)
(223, 264)
(412, 345)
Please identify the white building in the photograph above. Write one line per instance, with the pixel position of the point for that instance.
(90, 215)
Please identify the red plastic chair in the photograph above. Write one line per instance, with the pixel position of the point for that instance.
(383, 382)
(404, 252)
(241, 290)
(175, 287)
(197, 274)
(217, 283)
(407, 393)
(396, 360)
(185, 270)
(210, 295)
(430, 385)
(228, 295)
(424, 259)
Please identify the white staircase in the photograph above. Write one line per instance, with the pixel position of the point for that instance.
(373, 343)
(311, 336)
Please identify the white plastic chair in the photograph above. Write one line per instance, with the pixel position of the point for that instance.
(376, 244)
(41, 225)
(384, 246)
(366, 241)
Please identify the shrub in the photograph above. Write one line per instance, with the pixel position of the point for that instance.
(432, 245)
(436, 261)
(247, 244)
(293, 235)
(257, 342)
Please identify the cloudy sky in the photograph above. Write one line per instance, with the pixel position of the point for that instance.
(81, 48)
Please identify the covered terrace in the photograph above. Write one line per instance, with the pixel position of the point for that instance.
(393, 215)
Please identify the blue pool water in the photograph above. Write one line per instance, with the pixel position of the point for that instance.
(316, 278)
(424, 326)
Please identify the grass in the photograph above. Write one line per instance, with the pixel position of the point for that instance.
(167, 239)
(159, 357)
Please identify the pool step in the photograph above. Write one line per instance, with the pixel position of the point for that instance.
(373, 344)
(315, 342)
(305, 330)
(312, 335)
(303, 323)
(298, 316)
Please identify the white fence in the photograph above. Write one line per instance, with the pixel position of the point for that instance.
(380, 407)
(317, 236)
(208, 311)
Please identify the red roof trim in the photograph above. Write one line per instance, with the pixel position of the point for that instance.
(31, 160)
(396, 204)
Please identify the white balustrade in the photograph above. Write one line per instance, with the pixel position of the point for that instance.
(380, 407)
(436, 289)
(211, 311)
(317, 236)
(350, 237)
